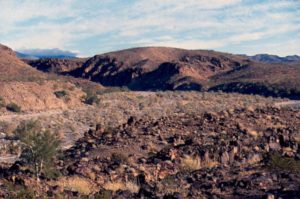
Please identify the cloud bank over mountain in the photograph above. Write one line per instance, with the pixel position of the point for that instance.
(46, 53)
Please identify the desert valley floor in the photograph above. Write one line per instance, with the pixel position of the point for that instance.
(149, 123)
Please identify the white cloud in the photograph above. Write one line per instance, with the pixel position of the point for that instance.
(189, 44)
(188, 24)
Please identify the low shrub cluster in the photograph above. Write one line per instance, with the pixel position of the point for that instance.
(61, 94)
(91, 98)
(13, 107)
(281, 163)
(2, 103)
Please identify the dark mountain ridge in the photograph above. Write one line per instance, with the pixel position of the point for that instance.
(275, 58)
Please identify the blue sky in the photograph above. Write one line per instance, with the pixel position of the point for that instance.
(90, 27)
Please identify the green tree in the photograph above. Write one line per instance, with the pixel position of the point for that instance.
(39, 147)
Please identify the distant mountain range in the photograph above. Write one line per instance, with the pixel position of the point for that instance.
(33, 54)
(274, 58)
(45, 53)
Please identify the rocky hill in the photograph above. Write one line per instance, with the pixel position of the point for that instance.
(56, 65)
(12, 68)
(279, 80)
(154, 68)
(159, 68)
(25, 88)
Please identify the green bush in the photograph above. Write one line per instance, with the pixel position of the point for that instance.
(39, 148)
(13, 107)
(60, 94)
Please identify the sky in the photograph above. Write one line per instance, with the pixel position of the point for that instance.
(89, 27)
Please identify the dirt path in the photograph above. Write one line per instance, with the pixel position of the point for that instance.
(28, 116)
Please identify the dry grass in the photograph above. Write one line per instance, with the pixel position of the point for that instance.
(210, 164)
(190, 163)
(115, 186)
(193, 163)
(132, 187)
(79, 184)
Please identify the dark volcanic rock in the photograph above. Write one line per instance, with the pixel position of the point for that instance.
(194, 156)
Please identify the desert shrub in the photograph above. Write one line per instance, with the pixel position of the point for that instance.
(78, 184)
(18, 192)
(61, 94)
(91, 98)
(2, 102)
(103, 194)
(7, 127)
(133, 187)
(190, 163)
(169, 184)
(72, 88)
(39, 148)
(13, 107)
(112, 90)
(119, 158)
(278, 162)
(115, 186)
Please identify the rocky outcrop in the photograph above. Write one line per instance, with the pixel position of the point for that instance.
(232, 154)
(242, 153)
(55, 65)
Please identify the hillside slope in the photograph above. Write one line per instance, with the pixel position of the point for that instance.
(12, 68)
(56, 65)
(153, 68)
(279, 80)
(31, 89)
(161, 68)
